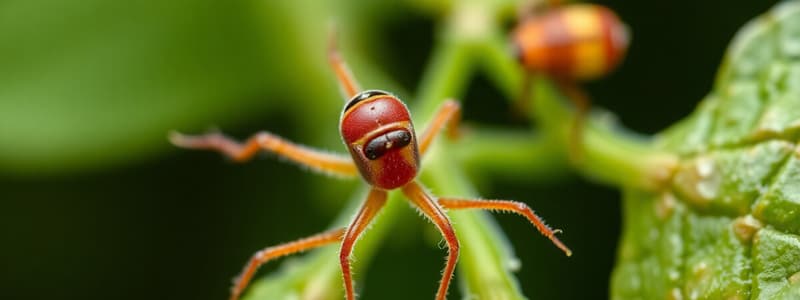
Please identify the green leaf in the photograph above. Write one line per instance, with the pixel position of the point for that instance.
(84, 85)
(727, 227)
(83, 89)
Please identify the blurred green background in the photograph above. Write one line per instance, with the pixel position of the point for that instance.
(96, 204)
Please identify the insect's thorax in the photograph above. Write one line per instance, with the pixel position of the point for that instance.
(378, 132)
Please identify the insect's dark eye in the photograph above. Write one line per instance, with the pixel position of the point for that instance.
(386, 142)
(363, 96)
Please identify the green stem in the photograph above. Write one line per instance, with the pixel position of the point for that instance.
(486, 260)
(446, 76)
(511, 155)
(609, 155)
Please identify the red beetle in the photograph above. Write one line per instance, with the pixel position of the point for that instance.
(376, 129)
(569, 43)
(573, 42)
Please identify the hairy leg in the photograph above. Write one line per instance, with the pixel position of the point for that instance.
(507, 206)
(375, 201)
(270, 253)
(348, 84)
(240, 152)
(449, 115)
(431, 209)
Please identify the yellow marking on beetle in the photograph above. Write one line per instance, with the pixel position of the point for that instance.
(384, 128)
(590, 60)
(408, 152)
(582, 21)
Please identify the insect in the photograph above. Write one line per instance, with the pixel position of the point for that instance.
(376, 129)
(569, 43)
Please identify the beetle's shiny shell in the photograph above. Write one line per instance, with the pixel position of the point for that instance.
(375, 116)
(578, 41)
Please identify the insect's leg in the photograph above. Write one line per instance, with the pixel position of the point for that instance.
(263, 256)
(449, 114)
(240, 152)
(582, 105)
(375, 201)
(524, 107)
(347, 82)
(507, 206)
(431, 209)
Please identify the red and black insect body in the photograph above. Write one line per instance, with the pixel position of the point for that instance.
(573, 42)
(570, 43)
(376, 128)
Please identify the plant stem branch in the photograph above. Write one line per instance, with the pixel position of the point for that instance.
(486, 261)
(471, 36)
(610, 155)
(513, 155)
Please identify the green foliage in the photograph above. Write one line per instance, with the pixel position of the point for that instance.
(485, 263)
(727, 226)
(69, 103)
(470, 41)
(711, 208)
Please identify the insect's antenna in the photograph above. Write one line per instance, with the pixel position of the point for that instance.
(347, 83)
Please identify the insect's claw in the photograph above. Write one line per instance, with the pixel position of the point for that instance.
(177, 138)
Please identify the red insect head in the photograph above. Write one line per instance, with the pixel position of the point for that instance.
(377, 130)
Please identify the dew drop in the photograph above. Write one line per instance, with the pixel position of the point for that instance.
(708, 189)
(705, 166)
(708, 184)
